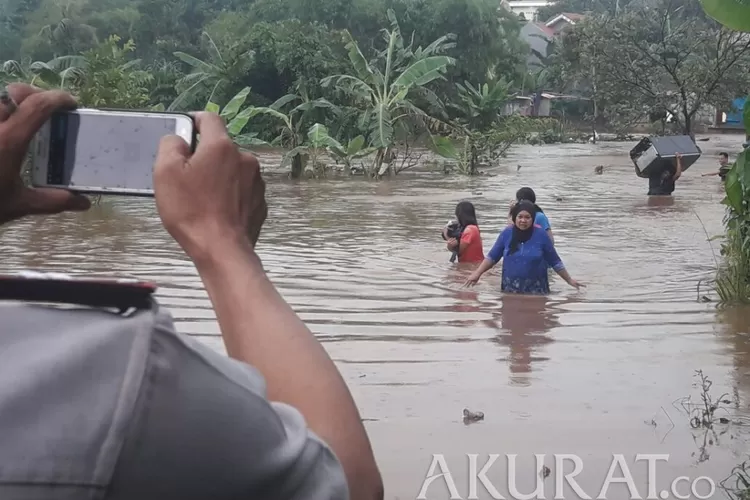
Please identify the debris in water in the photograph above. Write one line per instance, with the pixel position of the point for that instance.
(599, 170)
(705, 299)
(470, 416)
(518, 168)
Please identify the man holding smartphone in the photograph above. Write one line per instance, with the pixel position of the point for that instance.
(99, 405)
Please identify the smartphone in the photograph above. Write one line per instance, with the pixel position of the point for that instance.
(104, 151)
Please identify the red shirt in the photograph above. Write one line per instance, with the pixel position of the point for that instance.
(472, 241)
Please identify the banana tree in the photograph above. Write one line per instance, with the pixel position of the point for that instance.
(382, 95)
(237, 119)
(354, 149)
(60, 72)
(290, 135)
(481, 105)
(217, 72)
(318, 141)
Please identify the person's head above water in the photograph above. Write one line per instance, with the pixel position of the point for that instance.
(523, 214)
(528, 194)
(723, 159)
(465, 214)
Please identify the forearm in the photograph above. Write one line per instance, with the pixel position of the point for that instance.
(563, 273)
(261, 329)
(485, 266)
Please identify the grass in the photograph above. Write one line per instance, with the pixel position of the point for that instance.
(732, 280)
(732, 283)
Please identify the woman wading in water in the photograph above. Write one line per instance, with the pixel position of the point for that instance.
(526, 251)
(469, 247)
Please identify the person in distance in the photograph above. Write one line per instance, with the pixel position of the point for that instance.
(99, 405)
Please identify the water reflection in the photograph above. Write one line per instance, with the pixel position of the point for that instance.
(527, 321)
(735, 331)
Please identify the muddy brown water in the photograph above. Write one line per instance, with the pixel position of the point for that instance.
(591, 373)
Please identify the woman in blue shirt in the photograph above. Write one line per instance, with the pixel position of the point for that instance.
(526, 251)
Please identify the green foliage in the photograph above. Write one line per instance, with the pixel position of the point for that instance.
(733, 278)
(480, 106)
(213, 75)
(328, 67)
(733, 14)
(237, 119)
(381, 91)
(109, 79)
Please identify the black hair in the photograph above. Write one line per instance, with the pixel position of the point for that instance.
(466, 214)
(528, 194)
(724, 155)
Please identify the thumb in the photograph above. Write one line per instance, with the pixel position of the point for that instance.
(52, 201)
(173, 153)
(172, 150)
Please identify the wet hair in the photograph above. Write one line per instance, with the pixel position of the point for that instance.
(528, 194)
(466, 214)
(724, 155)
(521, 235)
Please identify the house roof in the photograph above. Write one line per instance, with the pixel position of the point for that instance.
(570, 17)
(545, 29)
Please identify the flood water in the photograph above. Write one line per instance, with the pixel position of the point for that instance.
(591, 373)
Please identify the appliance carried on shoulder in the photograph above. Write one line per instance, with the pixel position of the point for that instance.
(652, 155)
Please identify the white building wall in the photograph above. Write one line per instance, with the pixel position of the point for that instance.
(528, 8)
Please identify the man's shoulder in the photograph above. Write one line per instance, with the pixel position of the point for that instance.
(101, 400)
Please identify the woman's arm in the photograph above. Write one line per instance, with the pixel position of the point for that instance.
(563, 273)
(485, 266)
(493, 257)
(556, 263)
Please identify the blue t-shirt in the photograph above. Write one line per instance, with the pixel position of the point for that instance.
(526, 270)
(541, 220)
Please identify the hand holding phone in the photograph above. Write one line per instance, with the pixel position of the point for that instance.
(22, 112)
(212, 198)
(104, 151)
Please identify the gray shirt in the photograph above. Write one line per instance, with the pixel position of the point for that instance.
(96, 405)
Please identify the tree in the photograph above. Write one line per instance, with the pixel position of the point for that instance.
(111, 80)
(216, 75)
(382, 93)
(669, 57)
